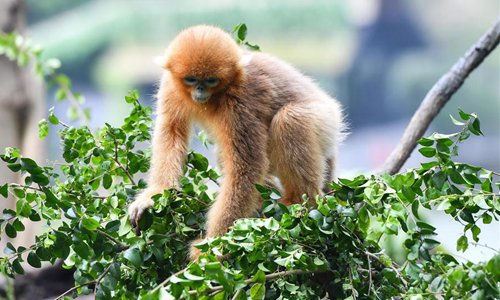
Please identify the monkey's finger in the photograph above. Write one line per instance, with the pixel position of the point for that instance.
(138, 216)
(131, 217)
(137, 231)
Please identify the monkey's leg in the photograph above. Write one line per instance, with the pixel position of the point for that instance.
(296, 153)
(237, 199)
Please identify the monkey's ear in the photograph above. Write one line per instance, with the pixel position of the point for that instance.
(160, 61)
(246, 59)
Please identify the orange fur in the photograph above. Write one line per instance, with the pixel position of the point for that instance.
(265, 116)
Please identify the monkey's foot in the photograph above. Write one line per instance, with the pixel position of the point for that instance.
(194, 252)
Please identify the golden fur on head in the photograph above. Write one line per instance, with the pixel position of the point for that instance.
(204, 51)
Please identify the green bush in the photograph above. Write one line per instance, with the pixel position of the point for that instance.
(292, 252)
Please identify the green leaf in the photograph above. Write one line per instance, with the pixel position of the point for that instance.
(16, 266)
(465, 116)
(475, 233)
(113, 226)
(193, 277)
(426, 142)
(50, 199)
(427, 151)
(43, 129)
(430, 244)
(456, 122)
(258, 291)
(364, 218)
(20, 193)
(475, 127)
(487, 218)
(462, 243)
(466, 215)
(199, 161)
(10, 231)
(259, 277)
(18, 225)
(133, 255)
(443, 205)
(4, 190)
(14, 167)
(426, 226)
(52, 118)
(125, 226)
(472, 178)
(438, 179)
(89, 223)
(316, 215)
(23, 208)
(34, 260)
(455, 176)
(30, 166)
(319, 262)
(82, 249)
(107, 180)
(241, 32)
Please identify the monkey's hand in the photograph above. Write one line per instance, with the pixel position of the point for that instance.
(142, 202)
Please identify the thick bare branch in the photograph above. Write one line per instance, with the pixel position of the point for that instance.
(439, 95)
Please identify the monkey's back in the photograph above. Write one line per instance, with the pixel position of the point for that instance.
(281, 85)
(284, 82)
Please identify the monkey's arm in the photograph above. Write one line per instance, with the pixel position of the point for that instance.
(243, 144)
(169, 147)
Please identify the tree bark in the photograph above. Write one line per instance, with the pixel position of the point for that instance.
(22, 105)
(439, 95)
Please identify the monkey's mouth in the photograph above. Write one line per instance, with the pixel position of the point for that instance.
(200, 97)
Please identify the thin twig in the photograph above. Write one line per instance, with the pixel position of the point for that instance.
(391, 266)
(439, 95)
(25, 186)
(110, 237)
(370, 282)
(485, 246)
(73, 289)
(164, 282)
(238, 292)
(126, 171)
(106, 271)
(95, 281)
(63, 124)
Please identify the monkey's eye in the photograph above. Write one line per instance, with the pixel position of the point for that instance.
(212, 82)
(190, 80)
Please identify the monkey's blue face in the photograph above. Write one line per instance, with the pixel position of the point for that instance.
(201, 88)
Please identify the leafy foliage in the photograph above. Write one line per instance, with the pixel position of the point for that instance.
(294, 252)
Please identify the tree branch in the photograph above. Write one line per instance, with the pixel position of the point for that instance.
(439, 95)
(271, 276)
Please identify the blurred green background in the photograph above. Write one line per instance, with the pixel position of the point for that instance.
(378, 57)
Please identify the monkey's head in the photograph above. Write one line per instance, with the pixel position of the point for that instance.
(203, 61)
